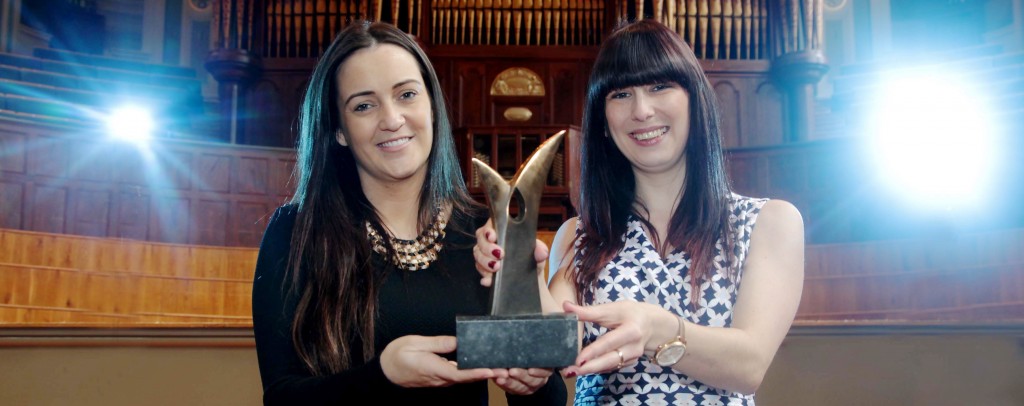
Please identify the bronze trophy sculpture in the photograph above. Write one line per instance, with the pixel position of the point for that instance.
(517, 334)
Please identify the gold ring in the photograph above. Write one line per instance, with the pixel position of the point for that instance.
(622, 360)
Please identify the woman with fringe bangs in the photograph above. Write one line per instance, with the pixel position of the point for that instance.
(360, 277)
(654, 263)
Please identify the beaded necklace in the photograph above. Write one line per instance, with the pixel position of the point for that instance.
(411, 255)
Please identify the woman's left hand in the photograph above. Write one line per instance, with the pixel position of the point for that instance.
(488, 253)
(634, 329)
(523, 381)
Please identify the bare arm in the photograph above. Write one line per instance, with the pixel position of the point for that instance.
(561, 286)
(734, 358)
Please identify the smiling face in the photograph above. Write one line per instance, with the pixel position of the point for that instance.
(386, 114)
(650, 124)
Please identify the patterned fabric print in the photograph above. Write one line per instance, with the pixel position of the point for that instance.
(638, 273)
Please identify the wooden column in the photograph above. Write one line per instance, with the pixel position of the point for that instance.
(799, 60)
(798, 73)
(235, 61)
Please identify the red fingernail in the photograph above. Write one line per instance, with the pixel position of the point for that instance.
(491, 264)
(496, 253)
(583, 362)
(571, 374)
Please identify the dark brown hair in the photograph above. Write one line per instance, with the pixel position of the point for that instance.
(330, 259)
(640, 53)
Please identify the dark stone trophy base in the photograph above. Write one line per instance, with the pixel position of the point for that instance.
(522, 341)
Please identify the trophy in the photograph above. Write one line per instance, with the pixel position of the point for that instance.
(517, 334)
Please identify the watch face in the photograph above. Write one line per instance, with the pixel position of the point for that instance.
(671, 354)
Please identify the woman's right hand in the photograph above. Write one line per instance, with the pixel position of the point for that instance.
(413, 362)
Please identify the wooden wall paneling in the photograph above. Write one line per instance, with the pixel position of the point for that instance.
(12, 194)
(250, 220)
(469, 97)
(961, 279)
(90, 213)
(154, 294)
(131, 166)
(253, 175)
(13, 295)
(48, 207)
(766, 106)
(47, 157)
(132, 213)
(49, 289)
(788, 176)
(282, 183)
(172, 169)
(170, 219)
(216, 170)
(110, 294)
(89, 160)
(269, 123)
(13, 147)
(119, 190)
(746, 174)
(238, 298)
(566, 84)
(274, 101)
(211, 219)
(729, 100)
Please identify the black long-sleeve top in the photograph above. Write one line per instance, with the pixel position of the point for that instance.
(423, 303)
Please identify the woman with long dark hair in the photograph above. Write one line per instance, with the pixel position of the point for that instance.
(360, 277)
(653, 265)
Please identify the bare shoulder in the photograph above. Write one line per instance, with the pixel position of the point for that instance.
(561, 246)
(560, 284)
(564, 236)
(777, 241)
(779, 218)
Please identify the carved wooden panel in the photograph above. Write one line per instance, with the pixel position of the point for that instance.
(49, 205)
(751, 108)
(172, 168)
(218, 172)
(132, 214)
(729, 100)
(11, 210)
(281, 176)
(91, 212)
(767, 107)
(212, 216)
(95, 168)
(13, 155)
(271, 126)
(567, 82)
(46, 157)
(249, 220)
(170, 221)
(469, 94)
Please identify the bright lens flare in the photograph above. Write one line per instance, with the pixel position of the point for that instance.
(933, 140)
(134, 124)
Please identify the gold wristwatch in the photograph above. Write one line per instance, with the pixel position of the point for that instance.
(670, 353)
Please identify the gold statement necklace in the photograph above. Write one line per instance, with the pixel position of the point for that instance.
(411, 255)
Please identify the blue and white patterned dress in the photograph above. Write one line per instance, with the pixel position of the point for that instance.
(638, 273)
